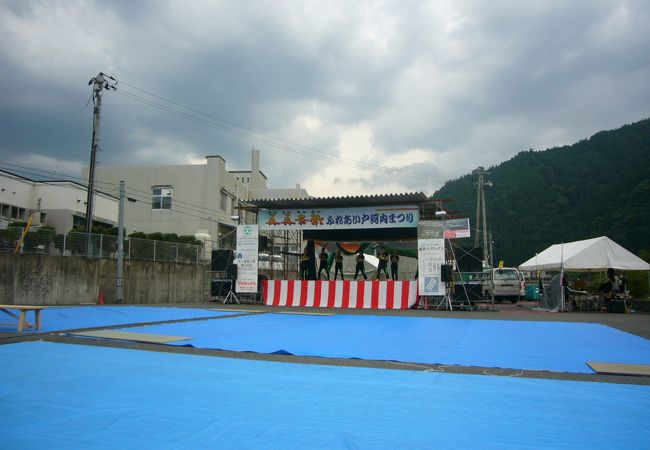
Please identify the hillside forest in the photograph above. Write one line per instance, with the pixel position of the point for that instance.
(596, 187)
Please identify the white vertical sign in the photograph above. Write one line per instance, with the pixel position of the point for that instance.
(431, 257)
(246, 258)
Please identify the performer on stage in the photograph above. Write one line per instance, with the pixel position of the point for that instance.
(304, 265)
(394, 261)
(383, 263)
(338, 264)
(359, 267)
(322, 257)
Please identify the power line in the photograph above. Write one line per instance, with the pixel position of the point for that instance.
(179, 207)
(107, 185)
(246, 133)
(249, 134)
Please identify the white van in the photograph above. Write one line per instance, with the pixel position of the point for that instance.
(508, 285)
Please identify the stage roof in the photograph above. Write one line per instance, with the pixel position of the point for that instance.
(340, 202)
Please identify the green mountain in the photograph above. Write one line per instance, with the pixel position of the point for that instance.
(595, 187)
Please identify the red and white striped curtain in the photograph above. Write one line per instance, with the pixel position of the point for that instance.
(387, 294)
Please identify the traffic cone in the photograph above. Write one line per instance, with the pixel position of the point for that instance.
(101, 297)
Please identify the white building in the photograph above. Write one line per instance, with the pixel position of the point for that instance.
(187, 199)
(61, 204)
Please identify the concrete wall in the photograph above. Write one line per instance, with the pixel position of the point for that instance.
(55, 280)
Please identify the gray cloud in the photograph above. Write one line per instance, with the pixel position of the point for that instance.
(434, 88)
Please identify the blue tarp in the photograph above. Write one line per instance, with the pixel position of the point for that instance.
(70, 318)
(555, 346)
(60, 396)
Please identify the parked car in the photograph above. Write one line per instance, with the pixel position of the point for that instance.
(508, 285)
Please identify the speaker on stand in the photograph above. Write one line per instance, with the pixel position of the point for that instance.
(231, 273)
(220, 287)
(446, 277)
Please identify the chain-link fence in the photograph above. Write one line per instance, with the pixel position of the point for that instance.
(47, 242)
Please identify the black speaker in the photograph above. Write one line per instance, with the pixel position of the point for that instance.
(263, 242)
(470, 260)
(474, 291)
(616, 306)
(231, 272)
(445, 273)
(221, 259)
(220, 288)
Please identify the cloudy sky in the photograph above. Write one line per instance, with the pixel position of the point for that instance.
(344, 97)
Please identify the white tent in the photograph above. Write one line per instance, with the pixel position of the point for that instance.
(599, 253)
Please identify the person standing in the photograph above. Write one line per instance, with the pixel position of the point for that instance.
(394, 262)
(383, 263)
(360, 265)
(322, 257)
(613, 279)
(623, 286)
(304, 264)
(616, 284)
(606, 290)
(338, 264)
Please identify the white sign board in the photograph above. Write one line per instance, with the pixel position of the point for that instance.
(246, 258)
(431, 257)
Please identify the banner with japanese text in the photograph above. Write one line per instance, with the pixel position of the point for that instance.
(431, 257)
(246, 257)
(339, 218)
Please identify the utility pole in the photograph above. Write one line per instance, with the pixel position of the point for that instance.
(479, 192)
(120, 246)
(491, 272)
(100, 84)
(481, 213)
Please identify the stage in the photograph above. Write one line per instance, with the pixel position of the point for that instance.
(375, 294)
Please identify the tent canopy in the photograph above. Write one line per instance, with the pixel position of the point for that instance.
(598, 253)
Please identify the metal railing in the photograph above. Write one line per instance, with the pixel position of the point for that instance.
(93, 245)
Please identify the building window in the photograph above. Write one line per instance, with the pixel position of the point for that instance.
(224, 201)
(18, 213)
(78, 222)
(161, 197)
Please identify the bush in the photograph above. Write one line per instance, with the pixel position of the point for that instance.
(9, 238)
(39, 239)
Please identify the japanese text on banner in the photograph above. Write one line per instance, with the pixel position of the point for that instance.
(246, 258)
